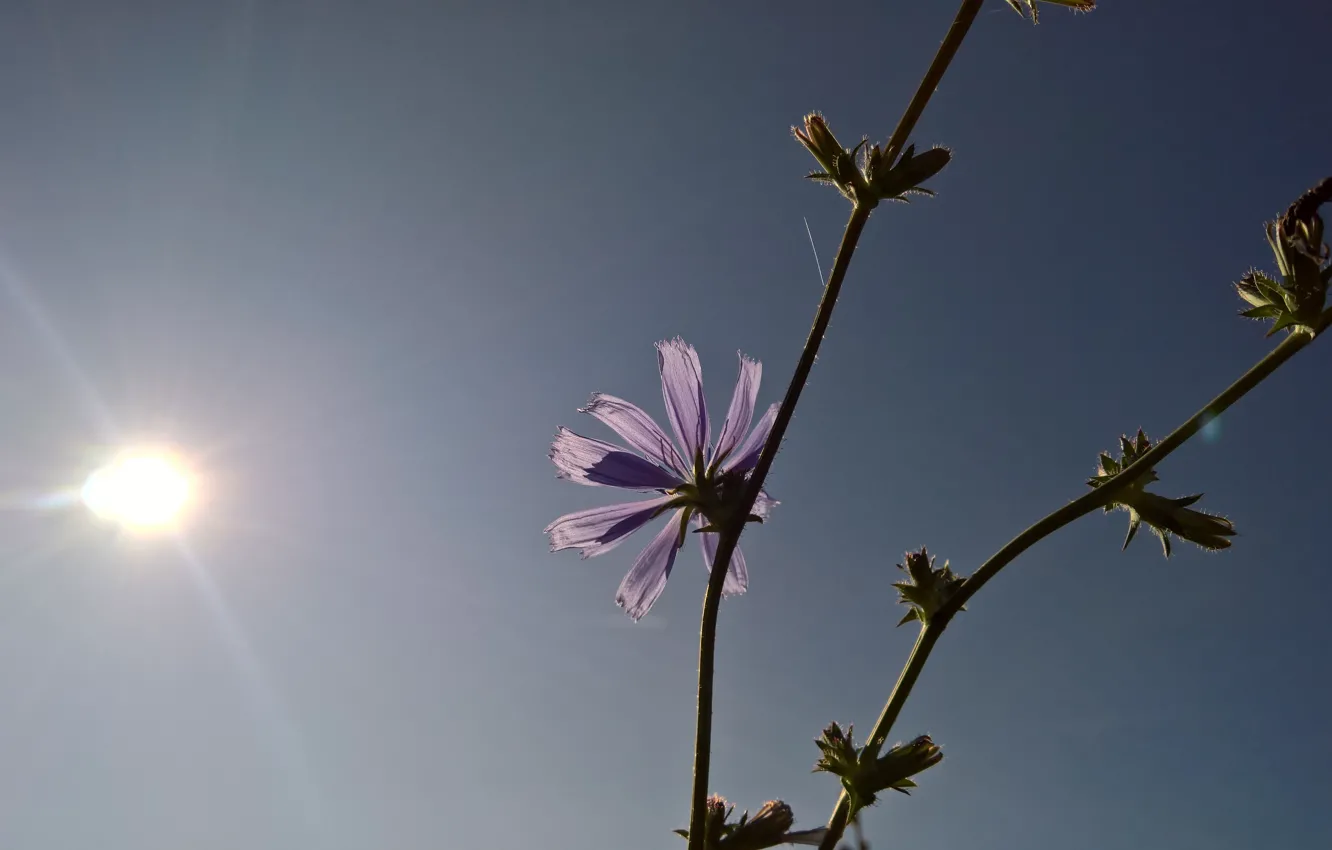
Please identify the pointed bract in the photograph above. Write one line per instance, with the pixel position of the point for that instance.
(1164, 516)
(769, 827)
(864, 773)
(1296, 301)
(927, 589)
(868, 174)
(1031, 7)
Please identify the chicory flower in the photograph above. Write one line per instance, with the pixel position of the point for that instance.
(698, 483)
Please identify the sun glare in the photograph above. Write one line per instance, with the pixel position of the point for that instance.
(139, 491)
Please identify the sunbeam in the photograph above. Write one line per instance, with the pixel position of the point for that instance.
(271, 717)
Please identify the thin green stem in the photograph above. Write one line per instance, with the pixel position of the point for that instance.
(1074, 510)
(966, 13)
(920, 653)
(1104, 494)
(729, 537)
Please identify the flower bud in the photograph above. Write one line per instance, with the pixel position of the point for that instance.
(838, 163)
(928, 588)
(864, 773)
(1295, 302)
(906, 174)
(769, 827)
(895, 768)
(879, 175)
(1164, 516)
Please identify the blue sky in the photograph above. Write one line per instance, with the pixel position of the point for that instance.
(360, 260)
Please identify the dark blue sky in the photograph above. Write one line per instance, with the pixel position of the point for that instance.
(359, 260)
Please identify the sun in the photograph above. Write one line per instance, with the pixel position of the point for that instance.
(140, 490)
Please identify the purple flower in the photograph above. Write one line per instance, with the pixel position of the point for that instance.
(698, 482)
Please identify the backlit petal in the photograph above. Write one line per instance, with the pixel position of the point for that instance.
(737, 577)
(647, 578)
(746, 455)
(741, 413)
(682, 388)
(586, 461)
(596, 531)
(637, 429)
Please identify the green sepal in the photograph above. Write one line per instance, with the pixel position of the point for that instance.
(906, 174)
(864, 773)
(928, 588)
(1075, 5)
(1165, 516)
(1109, 465)
(1267, 311)
(1283, 320)
(1295, 301)
(1268, 287)
(1134, 522)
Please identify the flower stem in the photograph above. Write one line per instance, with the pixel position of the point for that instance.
(1102, 495)
(729, 537)
(966, 13)
(1076, 509)
(915, 662)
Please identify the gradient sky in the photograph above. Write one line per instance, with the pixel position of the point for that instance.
(359, 260)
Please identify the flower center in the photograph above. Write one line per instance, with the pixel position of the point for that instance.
(716, 496)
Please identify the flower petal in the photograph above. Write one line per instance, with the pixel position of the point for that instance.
(637, 429)
(586, 461)
(737, 575)
(741, 414)
(647, 577)
(598, 530)
(682, 388)
(746, 455)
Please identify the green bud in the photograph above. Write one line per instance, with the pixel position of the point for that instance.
(765, 829)
(868, 174)
(864, 773)
(769, 827)
(838, 163)
(906, 174)
(895, 768)
(1295, 302)
(839, 750)
(927, 589)
(714, 821)
(1165, 517)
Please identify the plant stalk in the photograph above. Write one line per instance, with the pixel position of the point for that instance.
(728, 538)
(1074, 510)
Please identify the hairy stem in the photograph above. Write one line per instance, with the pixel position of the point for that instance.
(729, 537)
(1074, 510)
(915, 662)
(966, 13)
(1104, 494)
